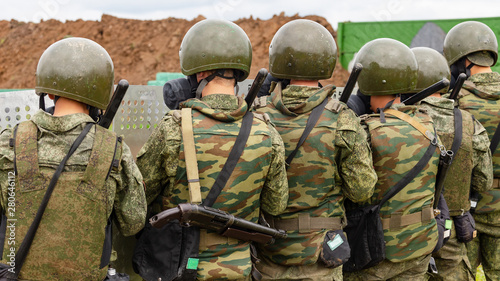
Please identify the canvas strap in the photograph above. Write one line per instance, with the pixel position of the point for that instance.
(190, 155)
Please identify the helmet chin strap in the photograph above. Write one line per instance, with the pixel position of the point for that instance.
(217, 73)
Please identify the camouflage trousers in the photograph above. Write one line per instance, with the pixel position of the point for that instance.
(313, 272)
(452, 262)
(413, 270)
(485, 250)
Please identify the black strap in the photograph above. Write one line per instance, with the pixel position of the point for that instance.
(311, 122)
(30, 235)
(495, 140)
(231, 161)
(410, 175)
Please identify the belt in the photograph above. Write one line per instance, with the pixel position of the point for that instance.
(208, 239)
(304, 223)
(398, 220)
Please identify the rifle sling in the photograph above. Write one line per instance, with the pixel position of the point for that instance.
(311, 122)
(231, 161)
(30, 235)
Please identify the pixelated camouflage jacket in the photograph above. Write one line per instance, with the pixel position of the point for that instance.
(397, 147)
(480, 96)
(257, 182)
(69, 241)
(334, 163)
(472, 164)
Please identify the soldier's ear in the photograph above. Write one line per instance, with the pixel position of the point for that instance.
(51, 96)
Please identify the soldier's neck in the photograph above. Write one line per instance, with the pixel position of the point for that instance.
(66, 106)
(216, 88)
(479, 69)
(308, 83)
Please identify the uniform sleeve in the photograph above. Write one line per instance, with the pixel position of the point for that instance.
(158, 158)
(130, 201)
(274, 197)
(482, 173)
(354, 158)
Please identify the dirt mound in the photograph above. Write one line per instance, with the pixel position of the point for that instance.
(139, 49)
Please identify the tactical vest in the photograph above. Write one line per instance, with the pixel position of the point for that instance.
(485, 107)
(410, 230)
(69, 241)
(241, 196)
(315, 194)
(458, 177)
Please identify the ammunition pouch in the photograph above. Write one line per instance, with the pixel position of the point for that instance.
(336, 250)
(465, 227)
(164, 252)
(366, 236)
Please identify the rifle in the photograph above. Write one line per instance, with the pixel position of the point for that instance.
(458, 85)
(214, 219)
(427, 92)
(114, 104)
(256, 85)
(351, 82)
(444, 164)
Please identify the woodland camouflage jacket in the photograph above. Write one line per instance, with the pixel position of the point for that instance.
(334, 163)
(257, 182)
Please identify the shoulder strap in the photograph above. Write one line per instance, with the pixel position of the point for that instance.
(231, 161)
(311, 122)
(457, 138)
(26, 150)
(28, 239)
(417, 125)
(190, 154)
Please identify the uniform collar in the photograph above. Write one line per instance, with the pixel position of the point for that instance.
(60, 123)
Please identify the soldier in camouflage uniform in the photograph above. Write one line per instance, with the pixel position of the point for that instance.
(217, 52)
(410, 230)
(98, 179)
(472, 47)
(471, 166)
(333, 163)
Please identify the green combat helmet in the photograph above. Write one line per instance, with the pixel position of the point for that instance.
(474, 40)
(216, 44)
(77, 69)
(432, 68)
(389, 67)
(302, 49)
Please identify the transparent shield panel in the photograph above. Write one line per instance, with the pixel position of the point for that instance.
(18, 106)
(141, 110)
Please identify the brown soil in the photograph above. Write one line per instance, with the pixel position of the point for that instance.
(139, 49)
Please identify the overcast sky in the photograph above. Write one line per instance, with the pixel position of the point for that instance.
(333, 10)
